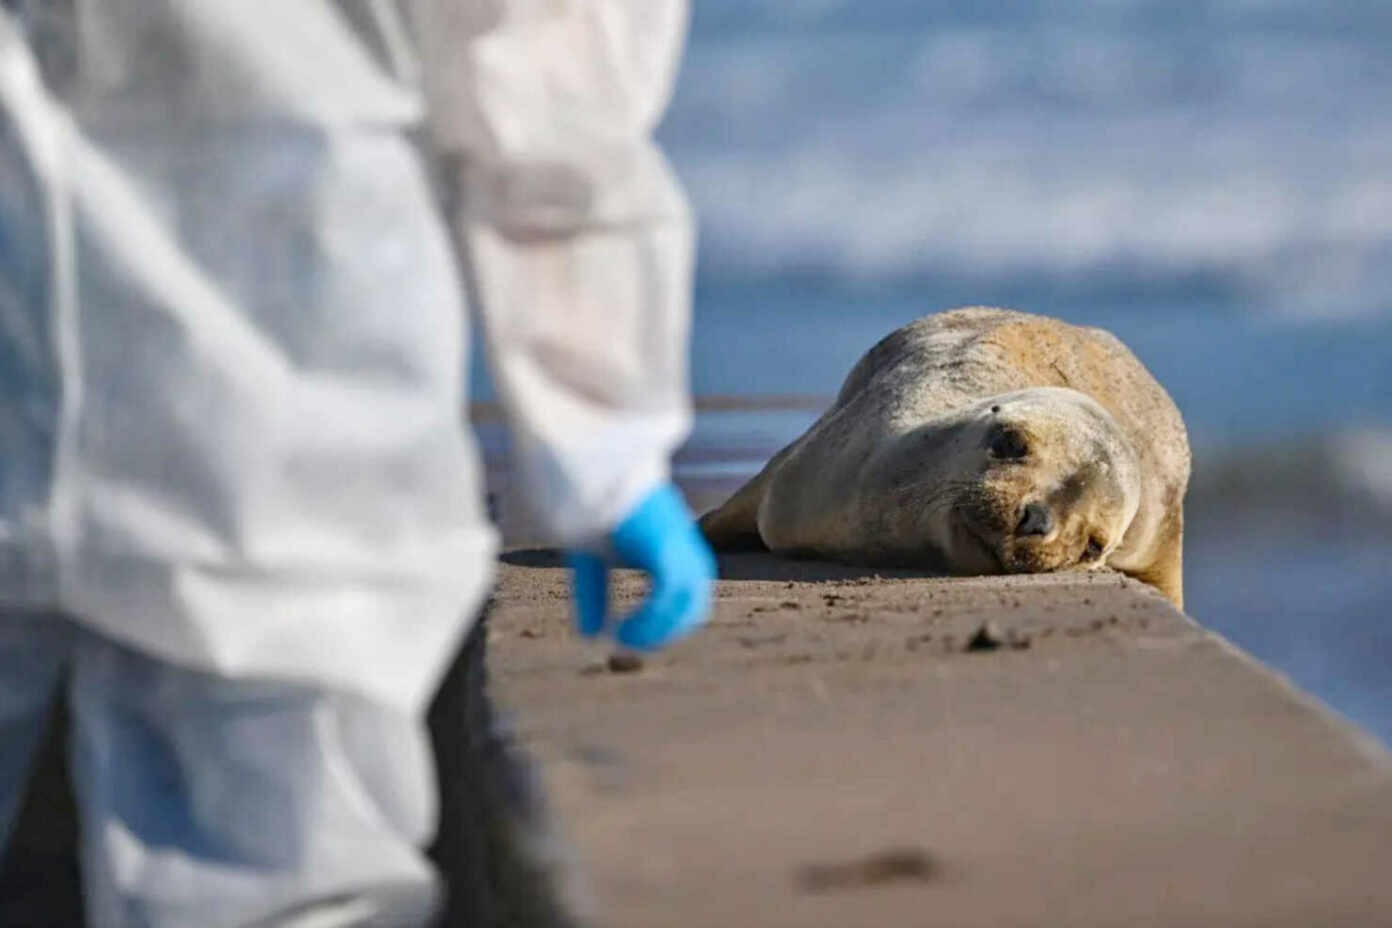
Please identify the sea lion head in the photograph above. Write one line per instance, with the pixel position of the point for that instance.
(1046, 481)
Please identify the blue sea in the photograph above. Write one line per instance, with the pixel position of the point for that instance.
(1210, 180)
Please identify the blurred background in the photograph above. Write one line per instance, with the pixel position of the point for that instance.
(1210, 180)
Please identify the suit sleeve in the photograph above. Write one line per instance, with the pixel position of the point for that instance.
(579, 238)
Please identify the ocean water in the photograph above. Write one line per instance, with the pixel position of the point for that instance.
(1236, 149)
(1211, 180)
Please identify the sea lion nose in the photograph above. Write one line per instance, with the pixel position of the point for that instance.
(1035, 519)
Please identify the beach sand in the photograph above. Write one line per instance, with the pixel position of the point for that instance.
(844, 747)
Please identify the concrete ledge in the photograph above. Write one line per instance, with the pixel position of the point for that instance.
(833, 752)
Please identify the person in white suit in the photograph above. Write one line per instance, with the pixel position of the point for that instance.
(240, 518)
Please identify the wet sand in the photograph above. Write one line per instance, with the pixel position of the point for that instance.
(847, 748)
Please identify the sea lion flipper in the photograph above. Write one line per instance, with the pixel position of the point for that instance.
(1166, 571)
(734, 526)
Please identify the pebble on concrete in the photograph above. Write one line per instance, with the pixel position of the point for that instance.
(987, 637)
(624, 662)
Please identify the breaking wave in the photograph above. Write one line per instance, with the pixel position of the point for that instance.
(1114, 141)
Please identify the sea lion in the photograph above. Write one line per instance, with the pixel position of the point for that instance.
(981, 440)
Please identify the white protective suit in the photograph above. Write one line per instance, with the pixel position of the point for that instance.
(232, 348)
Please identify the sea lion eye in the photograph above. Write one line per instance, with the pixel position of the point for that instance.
(1009, 445)
(1094, 549)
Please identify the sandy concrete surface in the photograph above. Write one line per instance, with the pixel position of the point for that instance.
(843, 749)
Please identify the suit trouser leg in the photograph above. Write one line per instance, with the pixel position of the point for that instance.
(206, 801)
(33, 652)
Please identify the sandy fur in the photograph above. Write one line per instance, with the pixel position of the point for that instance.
(898, 471)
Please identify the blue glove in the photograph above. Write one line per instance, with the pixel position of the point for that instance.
(660, 537)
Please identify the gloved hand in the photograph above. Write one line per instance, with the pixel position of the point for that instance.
(660, 537)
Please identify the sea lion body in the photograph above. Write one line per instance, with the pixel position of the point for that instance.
(982, 441)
